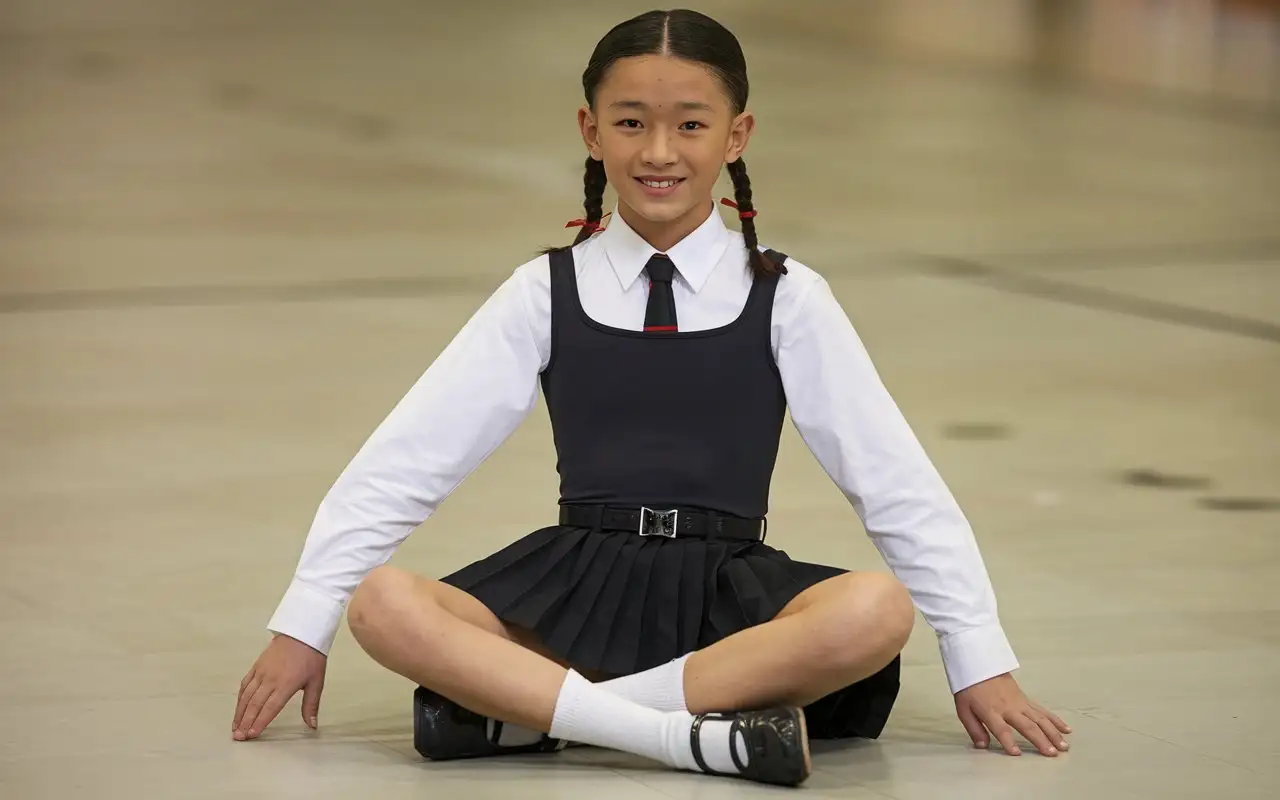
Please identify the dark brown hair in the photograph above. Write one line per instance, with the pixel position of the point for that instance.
(693, 37)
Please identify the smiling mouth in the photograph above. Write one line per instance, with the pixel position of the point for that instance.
(660, 184)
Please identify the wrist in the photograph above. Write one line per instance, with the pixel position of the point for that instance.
(975, 655)
(295, 642)
(307, 615)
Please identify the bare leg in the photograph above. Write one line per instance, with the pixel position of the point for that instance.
(406, 624)
(472, 611)
(831, 635)
(444, 639)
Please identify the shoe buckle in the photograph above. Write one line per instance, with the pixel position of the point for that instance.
(659, 523)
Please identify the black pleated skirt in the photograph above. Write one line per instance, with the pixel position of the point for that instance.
(620, 603)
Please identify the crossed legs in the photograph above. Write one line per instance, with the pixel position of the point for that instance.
(831, 635)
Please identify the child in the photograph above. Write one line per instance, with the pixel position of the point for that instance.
(710, 650)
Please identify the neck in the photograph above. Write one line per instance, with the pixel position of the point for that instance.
(662, 236)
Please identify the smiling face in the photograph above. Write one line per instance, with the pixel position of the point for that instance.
(664, 128)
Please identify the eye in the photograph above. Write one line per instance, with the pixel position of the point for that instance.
(690, 126)
(629, 123)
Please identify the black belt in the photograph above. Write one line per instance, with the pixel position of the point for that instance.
(669, 523)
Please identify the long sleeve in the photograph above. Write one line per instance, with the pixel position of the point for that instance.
(470, 400)
(856, 431)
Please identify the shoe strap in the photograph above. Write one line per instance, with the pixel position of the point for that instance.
(495, 738)
(695, 741)
(735, 729)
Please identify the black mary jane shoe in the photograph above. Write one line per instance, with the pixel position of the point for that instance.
(777, 745)
(445, 731)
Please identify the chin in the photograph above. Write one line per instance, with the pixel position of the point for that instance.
(660, 211)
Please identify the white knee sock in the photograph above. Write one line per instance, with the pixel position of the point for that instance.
(588, 714)
(660, 688)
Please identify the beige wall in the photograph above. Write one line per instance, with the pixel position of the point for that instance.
(1229, 50)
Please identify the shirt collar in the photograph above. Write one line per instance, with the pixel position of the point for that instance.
(695, 256)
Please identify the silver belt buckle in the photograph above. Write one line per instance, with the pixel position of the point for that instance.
(659, 523)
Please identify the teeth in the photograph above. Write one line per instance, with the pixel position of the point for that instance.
(659, 184)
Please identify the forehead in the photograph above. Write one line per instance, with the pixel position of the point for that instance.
(660, 80)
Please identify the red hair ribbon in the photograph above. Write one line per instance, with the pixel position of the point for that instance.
(741, 214)
(591, 227)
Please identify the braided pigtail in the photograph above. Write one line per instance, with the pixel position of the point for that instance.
(593, 183)
(746, 212)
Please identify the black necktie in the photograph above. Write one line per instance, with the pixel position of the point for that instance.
(660, 314)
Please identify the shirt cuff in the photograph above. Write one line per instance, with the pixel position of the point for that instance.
(976, 655)
(308, 616)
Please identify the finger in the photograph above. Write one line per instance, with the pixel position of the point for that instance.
(1002, 731)
(1058, 722)
(1030, 730)
(253, 708)
(247, 689)
(1050, 729)
(311, 701)
(275, 702)
(971, 724)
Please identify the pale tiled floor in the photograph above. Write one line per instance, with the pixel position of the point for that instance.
(233, 233)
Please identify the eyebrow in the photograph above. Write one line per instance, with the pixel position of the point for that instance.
(685, 105)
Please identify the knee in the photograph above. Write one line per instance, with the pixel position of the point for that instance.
(870, 618)
(374, 603)
(891, 604)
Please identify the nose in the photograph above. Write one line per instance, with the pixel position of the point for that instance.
(658, 150)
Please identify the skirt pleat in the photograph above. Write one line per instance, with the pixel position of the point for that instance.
(660, 619)
(624, 650)
(737, 601)
(694, 589)
(541, 600)
(593, 644)
(562, 633)
(517, 554)
(619, 603)
(549, 568)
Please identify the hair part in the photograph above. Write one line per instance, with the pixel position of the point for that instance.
(691, 36)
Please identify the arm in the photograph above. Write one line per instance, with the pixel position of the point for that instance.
(855, 430)
(470, 400)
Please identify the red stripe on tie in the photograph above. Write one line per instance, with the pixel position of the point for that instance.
(661, 328)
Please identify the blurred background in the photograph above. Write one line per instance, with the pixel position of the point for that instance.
(233, 233)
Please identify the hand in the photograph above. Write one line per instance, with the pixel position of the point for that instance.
(999, 706)
(285, 666)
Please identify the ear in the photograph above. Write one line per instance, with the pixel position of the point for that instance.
(739, 135)
(590, 129)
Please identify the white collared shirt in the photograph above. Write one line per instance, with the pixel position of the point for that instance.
(485, 383)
